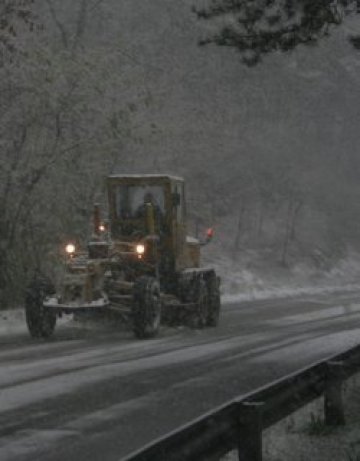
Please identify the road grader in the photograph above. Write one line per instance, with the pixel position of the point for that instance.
(139, 263)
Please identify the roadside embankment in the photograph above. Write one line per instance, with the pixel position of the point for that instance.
(303, 435)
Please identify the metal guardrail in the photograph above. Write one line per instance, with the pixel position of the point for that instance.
(239, 423)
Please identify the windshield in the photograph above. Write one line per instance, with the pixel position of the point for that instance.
(131, 199)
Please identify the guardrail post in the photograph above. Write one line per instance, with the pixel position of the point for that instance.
(250, 431)
(333, 401)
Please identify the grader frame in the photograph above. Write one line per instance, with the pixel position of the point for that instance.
(140, 263)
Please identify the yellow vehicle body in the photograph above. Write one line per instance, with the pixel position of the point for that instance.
(141, 262)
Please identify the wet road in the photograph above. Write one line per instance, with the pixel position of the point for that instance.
(94, 392)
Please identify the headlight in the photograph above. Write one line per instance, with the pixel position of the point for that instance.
(70, 248)
(140, 249)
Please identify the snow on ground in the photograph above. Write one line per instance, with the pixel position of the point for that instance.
(12, 321)
(241, 283)
(97, 365)
(303, 436)
(252, 278)
(284, 292)
(299, 437)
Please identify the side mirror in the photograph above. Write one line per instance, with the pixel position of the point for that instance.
(208, 236)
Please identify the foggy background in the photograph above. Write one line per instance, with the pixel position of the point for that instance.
(270, 153)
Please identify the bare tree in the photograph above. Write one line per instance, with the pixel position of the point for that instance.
(64, 120)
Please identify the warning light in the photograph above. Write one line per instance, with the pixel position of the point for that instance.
(210, 233)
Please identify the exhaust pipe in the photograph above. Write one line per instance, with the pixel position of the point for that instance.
(96, 219)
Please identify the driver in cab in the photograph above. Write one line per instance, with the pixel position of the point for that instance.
(149, 201)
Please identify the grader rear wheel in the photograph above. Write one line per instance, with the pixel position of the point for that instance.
(40, 321)
(146, 307)
(199, 295)
(213, 283)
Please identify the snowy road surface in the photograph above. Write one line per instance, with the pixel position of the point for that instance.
(97, 393)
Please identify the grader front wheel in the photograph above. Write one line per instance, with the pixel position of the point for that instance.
(146, 307)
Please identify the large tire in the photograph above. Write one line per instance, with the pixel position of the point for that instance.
(146, 307)
(199, 295)
(40, 321)
(213, 287)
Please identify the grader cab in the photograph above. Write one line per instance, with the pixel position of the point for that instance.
(140, 263)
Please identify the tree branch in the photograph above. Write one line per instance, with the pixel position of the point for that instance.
(59, 25)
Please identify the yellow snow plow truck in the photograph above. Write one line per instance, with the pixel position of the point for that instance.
(140, 262)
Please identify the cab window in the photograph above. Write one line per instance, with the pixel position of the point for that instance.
(130, 198)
